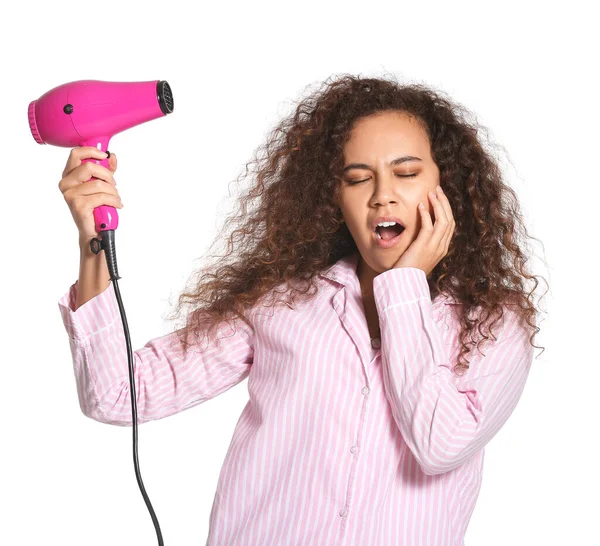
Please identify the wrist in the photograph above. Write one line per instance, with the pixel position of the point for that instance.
(84, 248)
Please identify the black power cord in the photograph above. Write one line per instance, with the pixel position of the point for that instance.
(107, 243)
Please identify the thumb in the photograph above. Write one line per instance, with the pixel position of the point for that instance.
(112, 162)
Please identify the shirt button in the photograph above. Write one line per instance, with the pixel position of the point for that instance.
(375, 343)
(343, 513)
(353, 449)
(365, 390)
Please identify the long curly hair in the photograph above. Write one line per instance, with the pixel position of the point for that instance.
(288, 227)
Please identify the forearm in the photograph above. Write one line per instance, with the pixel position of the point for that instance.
(94, 277)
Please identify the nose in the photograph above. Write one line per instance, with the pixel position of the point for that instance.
(384, 190)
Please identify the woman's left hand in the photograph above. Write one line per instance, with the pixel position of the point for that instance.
(432, 243)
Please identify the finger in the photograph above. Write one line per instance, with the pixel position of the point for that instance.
(112, 162)
(441, 220)
(445, 202)
(95, 186)
(443, 199)
(89, 189)
(85, 173)
(426, 223)
(78, 204)
(79, 153)
(447, 237)
(439, 208)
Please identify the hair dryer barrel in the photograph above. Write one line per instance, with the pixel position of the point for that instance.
(90, 112)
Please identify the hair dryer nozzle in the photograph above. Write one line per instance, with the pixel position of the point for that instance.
(33, 124)
(165, 97)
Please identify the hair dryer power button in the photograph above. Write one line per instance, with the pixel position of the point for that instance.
(68, 109)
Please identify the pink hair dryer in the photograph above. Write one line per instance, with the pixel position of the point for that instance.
(90, 112)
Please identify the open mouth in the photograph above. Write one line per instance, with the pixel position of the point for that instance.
(389, 232)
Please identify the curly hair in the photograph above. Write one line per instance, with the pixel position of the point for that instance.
(296, 230)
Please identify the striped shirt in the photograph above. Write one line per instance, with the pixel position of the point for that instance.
(345, 440)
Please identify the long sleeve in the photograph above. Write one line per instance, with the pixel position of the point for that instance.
(165, 382)
(444, 419)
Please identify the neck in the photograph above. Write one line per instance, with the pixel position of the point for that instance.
(365, 276)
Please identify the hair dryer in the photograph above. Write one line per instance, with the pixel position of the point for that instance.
(89, 113)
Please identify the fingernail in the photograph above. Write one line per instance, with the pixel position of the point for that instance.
(108, 153)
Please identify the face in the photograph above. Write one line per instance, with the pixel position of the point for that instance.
(378, 187)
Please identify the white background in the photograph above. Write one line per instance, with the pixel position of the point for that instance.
(525, 69)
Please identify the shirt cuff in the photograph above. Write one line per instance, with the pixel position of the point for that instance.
(94, 315)
(400, 285)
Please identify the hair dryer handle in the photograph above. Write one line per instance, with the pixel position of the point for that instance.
(105, 216)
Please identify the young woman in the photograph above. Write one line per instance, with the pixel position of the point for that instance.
(370, 398)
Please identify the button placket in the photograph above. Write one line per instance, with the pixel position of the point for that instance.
(354, 449)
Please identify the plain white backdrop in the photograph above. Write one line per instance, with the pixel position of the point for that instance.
(526, 70)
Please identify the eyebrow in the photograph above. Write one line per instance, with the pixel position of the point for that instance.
(393, 163)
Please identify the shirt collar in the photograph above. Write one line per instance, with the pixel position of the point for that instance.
(344, 272)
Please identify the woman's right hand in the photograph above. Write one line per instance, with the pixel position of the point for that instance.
(83, 197)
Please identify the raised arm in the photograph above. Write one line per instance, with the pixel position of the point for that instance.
(165, 382)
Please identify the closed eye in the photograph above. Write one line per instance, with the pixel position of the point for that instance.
(352, 182)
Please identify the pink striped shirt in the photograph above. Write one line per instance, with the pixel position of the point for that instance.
(344, 441)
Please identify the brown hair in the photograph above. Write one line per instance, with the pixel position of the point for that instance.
(294, 230)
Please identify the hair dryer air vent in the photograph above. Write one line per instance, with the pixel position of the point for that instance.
(33, 124)
(165, 97)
